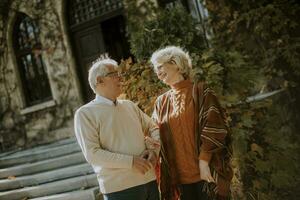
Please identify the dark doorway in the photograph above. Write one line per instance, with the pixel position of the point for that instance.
(114, 35)
(93, 33)
(88, 45)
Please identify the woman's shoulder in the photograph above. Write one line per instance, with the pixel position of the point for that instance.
(202, 87)
(201, 84)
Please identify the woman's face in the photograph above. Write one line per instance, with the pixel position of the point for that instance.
(168, 73)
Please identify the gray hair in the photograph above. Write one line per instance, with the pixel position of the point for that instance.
(99, 68)
(175, 54)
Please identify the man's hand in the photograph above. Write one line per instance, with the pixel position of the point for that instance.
(205, 171)
(141, 164)
(151, 156)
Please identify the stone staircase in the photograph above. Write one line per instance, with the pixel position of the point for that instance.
(56, 171)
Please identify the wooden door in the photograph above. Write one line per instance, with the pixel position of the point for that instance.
(89, 45)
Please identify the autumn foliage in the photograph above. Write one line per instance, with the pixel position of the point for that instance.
(253, 50)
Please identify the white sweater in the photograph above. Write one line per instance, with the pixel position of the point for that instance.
(109, 136)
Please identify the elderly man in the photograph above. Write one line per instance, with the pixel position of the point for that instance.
(111, 134)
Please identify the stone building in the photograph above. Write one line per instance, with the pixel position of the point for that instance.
(46, 47)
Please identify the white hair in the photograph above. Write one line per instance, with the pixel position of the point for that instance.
(100, 68)
(172, 53)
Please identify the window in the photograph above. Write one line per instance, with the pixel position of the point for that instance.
(171, 3)
(31, 67)
(85, 10)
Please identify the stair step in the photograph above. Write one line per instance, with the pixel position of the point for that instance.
(45, 165)
(52, 188)
(45, 177)
(40, 147)
(88, 194)
(38, 155)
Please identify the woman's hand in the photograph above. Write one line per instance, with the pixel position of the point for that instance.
(205, 171)
(152, 143)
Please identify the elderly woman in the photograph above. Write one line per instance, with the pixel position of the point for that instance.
(195, 149)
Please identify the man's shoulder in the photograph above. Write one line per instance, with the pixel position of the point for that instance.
(129, 104)
(86, 107)
(126, 102)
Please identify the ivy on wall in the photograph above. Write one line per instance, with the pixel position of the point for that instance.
(33, 128)
(265, 33)
(254, 48)
(12, 125)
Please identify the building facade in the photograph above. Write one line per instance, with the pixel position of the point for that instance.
(46, 48)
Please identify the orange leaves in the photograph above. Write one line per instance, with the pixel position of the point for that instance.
(141, 84)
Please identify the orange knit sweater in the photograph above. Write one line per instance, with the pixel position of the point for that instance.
(192, 127)
(181, 120)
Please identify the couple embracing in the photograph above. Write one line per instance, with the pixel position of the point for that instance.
(182, 152)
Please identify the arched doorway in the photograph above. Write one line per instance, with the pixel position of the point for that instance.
(95, 27)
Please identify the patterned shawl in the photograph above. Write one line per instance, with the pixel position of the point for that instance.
(212, 136)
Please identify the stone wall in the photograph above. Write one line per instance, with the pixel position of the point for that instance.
(22, 126)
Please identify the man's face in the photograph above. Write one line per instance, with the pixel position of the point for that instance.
(112, 82)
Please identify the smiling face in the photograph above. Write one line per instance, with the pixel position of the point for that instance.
(110, 85)
(168, 73)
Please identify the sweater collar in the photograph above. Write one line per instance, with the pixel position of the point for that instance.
(182, 84)
(102, 99)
